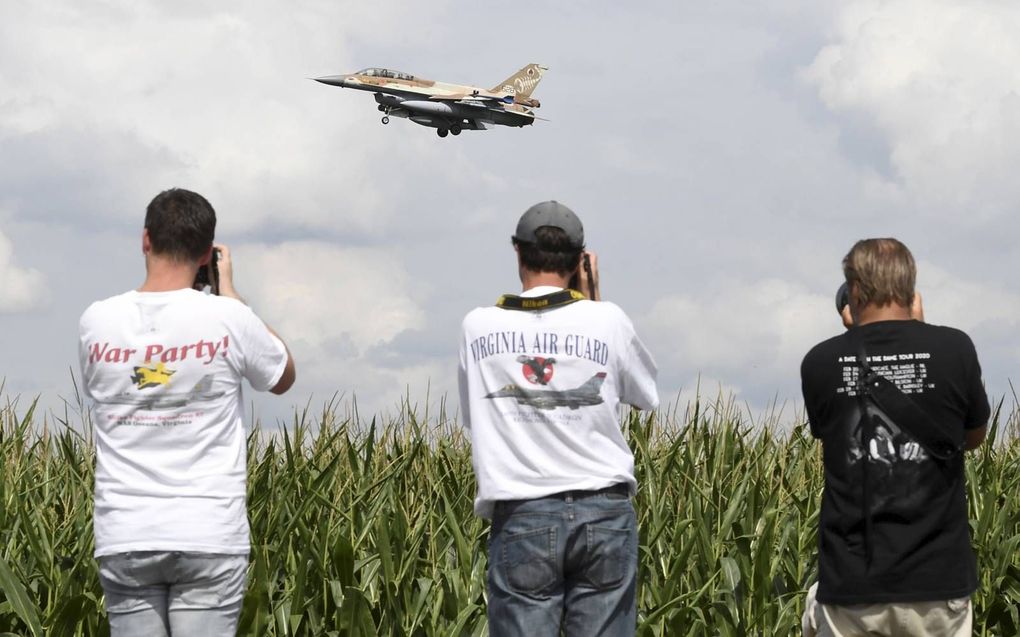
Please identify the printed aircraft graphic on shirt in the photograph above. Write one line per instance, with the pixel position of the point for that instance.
(201, 392)
(585, 395)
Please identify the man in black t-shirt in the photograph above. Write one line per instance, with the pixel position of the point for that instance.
(893, 542)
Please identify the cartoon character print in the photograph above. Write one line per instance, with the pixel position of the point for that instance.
(537, 370)
(146, 377)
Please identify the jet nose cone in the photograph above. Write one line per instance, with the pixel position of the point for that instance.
(332, 80)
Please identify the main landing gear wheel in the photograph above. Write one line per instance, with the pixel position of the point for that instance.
(385, 119)
(442, 132)
(455, 130)
(382, 109)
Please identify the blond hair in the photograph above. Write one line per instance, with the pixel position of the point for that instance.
(883, 272)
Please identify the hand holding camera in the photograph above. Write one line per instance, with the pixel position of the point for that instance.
(226, 268)
(218, 274)
(208, 275)
(586, 278)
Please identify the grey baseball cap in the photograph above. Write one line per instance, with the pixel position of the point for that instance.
(550, 213)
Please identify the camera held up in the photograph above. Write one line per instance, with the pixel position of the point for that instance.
(842, 297)
(575, 281)
(209, 275)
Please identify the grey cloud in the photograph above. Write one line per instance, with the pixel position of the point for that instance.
(82, 177)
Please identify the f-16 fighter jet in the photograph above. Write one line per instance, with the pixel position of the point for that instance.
(449, 108)
(586, 395)
(201, 392)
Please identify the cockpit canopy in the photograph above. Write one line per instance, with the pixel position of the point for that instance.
(376, 72)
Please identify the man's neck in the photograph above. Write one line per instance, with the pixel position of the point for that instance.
(167, 275)
(531, 279)
(891, 312)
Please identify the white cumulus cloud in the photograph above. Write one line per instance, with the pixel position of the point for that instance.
(940, 79)
(964, 303)
(21, 289)
(316, 293)
(767, 325)
(335, 306)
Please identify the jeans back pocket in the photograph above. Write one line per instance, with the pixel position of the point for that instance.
(529, 560)
(608, 556)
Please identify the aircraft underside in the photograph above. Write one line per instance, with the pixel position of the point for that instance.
(447, 117)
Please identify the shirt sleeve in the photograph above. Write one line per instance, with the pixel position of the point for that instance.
(638, 371)
(83, 353)
(978, 409)
(809, 394)
(265, 356)
(462, 383)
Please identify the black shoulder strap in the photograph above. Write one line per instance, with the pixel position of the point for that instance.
(535, 303)
(903, 411)
(867, 429)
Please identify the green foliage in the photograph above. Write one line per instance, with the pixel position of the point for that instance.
(367, 529)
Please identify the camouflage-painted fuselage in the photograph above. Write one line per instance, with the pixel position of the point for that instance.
(449, 108)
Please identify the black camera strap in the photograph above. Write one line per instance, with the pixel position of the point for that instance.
(903, 411)
(536, 303)
(867, 429)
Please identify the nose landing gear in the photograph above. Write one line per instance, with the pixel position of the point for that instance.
(385, 119)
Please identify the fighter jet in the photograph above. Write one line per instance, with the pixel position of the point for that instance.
(583, 396)
(449, 108)
(201, 392)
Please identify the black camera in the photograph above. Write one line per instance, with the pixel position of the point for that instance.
(842, 297)
(575, 281)
(209, 275)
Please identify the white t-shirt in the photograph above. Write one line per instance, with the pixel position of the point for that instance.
(540, 392)
(164, 370)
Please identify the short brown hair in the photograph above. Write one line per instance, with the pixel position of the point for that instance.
(552, 252)
(883, 271)
(181, 224)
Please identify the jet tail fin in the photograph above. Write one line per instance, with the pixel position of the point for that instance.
(204, 384)
(593, 385)
(521, 83)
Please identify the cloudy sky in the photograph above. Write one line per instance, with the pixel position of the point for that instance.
(723, 156)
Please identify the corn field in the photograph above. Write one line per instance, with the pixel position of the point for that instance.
(366, 529)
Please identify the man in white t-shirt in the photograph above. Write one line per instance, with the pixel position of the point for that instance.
(163, 367)
(542, 376)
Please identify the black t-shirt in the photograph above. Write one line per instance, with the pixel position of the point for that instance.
(920, 538)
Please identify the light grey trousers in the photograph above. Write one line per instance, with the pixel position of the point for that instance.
(164, 593)
(944, 618)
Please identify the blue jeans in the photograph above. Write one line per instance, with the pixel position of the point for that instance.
(162, 593)
(564, 561)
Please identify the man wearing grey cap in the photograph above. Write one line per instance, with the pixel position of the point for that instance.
(542, 377)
